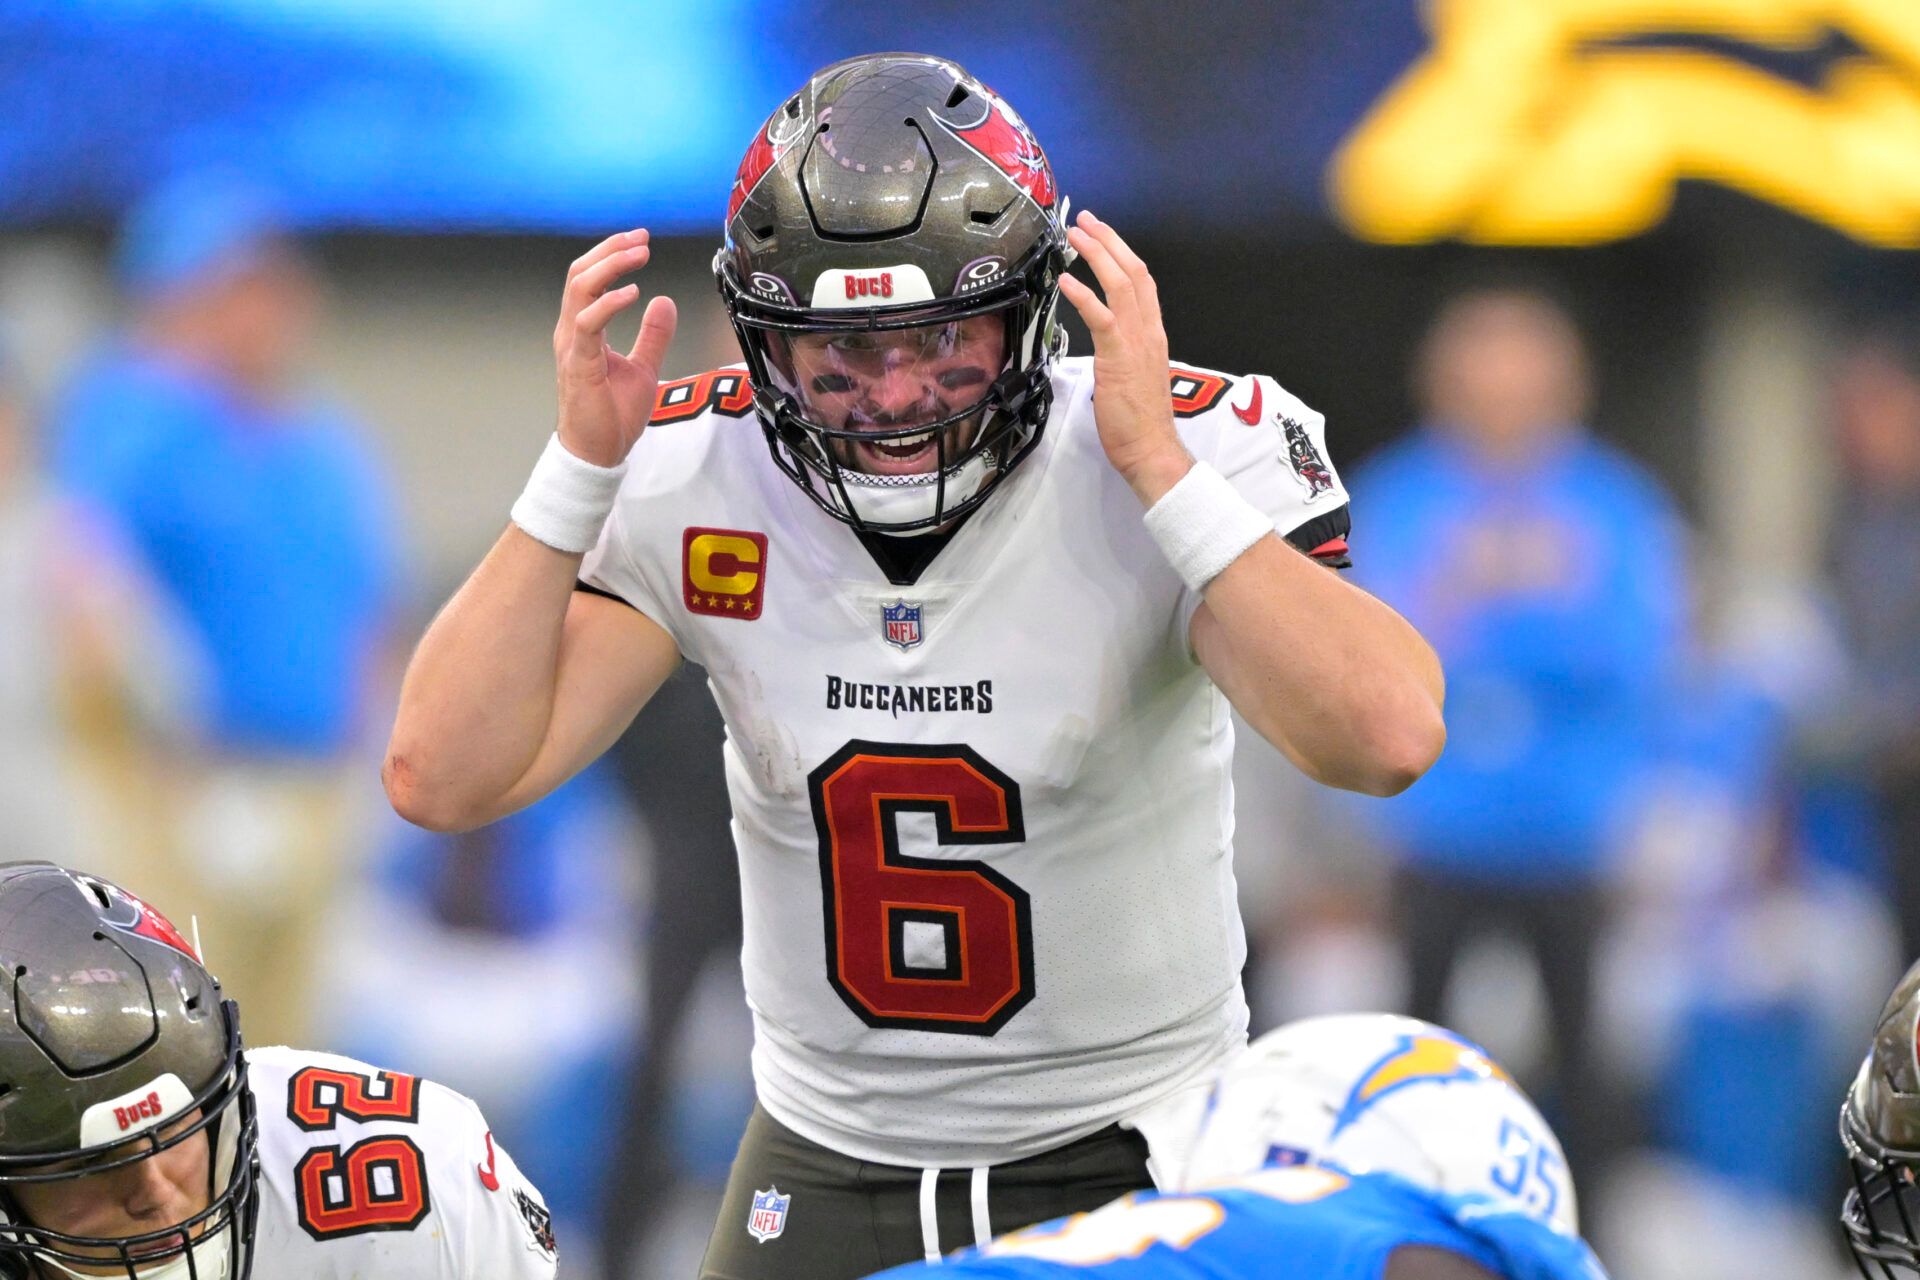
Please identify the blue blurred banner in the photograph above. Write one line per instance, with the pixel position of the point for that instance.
(1399, 121)
(523, 115)
(403, 114)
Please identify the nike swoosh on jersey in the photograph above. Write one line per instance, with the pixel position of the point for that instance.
(488, 1178)
(1251, 414)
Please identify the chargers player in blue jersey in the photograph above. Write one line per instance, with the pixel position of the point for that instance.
(1354, 1147)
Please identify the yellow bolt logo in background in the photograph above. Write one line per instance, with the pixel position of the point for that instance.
(1524, 125)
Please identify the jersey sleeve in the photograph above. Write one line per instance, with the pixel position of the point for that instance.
(1274, 450)
(612, 569)
(508, 1229)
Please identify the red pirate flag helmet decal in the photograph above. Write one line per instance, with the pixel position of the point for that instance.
(772, 142)
(1002, 137)
(135, 916)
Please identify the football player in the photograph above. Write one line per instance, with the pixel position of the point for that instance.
(974, 613)
(1356, 1147)
(138, 1140)
(1880, 1127)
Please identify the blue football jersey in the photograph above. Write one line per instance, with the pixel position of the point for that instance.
(1303, 1221)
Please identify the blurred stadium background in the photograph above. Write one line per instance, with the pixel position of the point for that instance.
(1683, 705)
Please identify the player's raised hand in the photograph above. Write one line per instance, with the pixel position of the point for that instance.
(606, 397)
(1132, 397)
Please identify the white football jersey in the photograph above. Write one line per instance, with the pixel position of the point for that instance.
(365, 1172)
(984, 821)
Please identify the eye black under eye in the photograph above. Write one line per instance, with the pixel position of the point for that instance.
(832, 384)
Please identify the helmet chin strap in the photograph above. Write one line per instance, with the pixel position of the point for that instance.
(881, 505)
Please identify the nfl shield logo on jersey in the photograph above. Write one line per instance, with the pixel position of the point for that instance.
(768, 1217)
(900, 624)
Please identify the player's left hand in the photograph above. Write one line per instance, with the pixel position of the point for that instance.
(1132, 397)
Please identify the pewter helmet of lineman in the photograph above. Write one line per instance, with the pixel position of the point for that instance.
(895, 191)
(113, 1030)
(1880, 1126)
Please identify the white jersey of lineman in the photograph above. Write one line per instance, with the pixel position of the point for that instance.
(984, 821)
(365, 1172)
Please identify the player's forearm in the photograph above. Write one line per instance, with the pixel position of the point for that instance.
(1327, 673)
(479, 692)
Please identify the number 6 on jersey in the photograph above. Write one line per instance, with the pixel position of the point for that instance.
(921, 943)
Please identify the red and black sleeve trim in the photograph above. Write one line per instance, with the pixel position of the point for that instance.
(590, 589)
(1325, 538)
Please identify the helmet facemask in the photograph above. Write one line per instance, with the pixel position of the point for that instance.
(1880, 1130)
(838, 393)
(1882, 1209)
(888, 208)
(211, 1244)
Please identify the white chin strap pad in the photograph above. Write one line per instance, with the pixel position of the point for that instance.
(210, 1259)
(897, 504)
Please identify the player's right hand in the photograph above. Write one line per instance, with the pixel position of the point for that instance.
(605, 397)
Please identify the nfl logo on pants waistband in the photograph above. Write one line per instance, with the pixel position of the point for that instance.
(900, 623)
(768, 1217)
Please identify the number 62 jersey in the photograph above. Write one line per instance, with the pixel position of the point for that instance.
(365, 1172)
(984, 819)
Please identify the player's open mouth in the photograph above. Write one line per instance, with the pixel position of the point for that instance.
(903, 455)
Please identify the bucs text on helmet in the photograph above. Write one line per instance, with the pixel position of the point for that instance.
(1880, 1128)
(896, 220)
(115, 1047)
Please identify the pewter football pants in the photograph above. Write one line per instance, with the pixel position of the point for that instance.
(795, 1209)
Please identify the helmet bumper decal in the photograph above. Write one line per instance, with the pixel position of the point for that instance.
(842, 289)
(147, 1106)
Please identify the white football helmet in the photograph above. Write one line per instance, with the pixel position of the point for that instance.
(1380, 1093)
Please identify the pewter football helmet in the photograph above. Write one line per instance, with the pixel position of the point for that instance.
(889, 202)
(1880, 1128)
(112, 1032)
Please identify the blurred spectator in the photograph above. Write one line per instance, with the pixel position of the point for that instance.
(79, 643)
(268, 528)
(504, 958)
(1547, 571)
(1876, 559)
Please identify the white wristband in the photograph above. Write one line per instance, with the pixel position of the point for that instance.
(567, 499)
(1203, 525)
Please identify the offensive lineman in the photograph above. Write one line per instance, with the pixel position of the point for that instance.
(1355, 1147)
(977, 743)
(137, 1139)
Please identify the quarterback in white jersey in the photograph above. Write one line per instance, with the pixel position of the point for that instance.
(138, 1140)
(1018, 843)
(977, 706)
